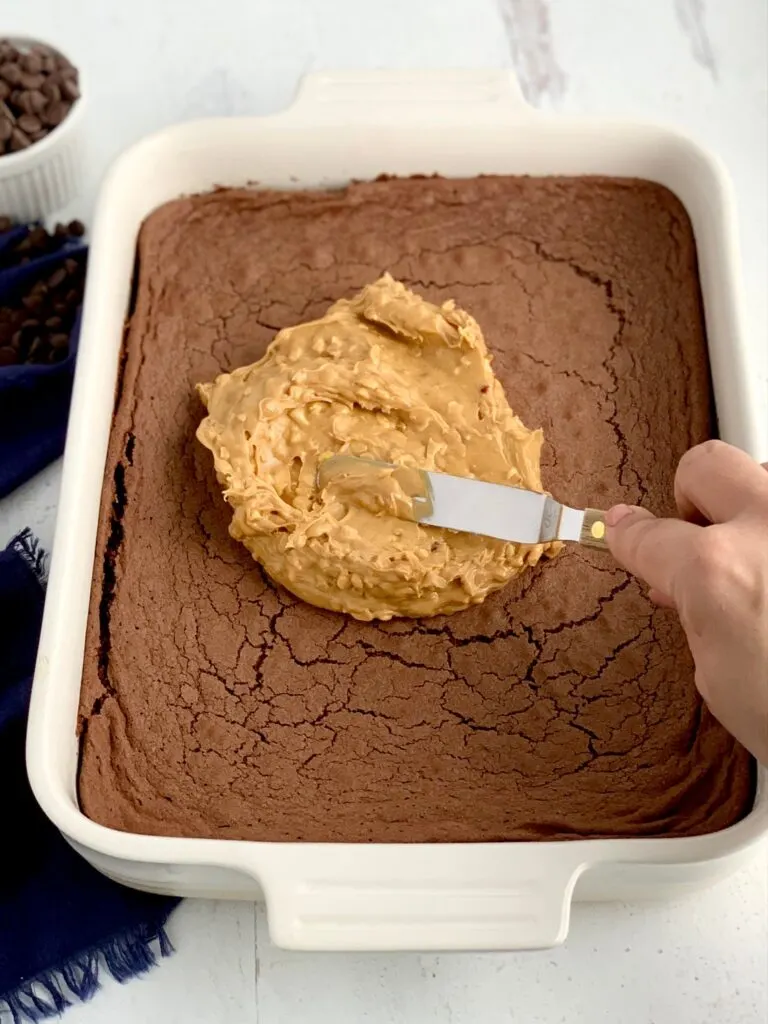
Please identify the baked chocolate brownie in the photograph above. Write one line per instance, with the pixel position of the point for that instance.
(214, 704)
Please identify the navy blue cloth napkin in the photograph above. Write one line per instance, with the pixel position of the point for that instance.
(34, 399)
(61, 922)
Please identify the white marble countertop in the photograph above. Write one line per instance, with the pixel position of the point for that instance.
(698, 64)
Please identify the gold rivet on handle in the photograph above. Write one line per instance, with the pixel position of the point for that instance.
(593, 529)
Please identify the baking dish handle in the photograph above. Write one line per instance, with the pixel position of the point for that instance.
(446, 897)
(431, 97)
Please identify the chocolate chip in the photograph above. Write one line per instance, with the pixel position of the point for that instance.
(53, 322)
(76, 228)
(37, 236)
(28, 81)
(59, 340)
(55, 113)
(57, 277)
(51, 91)
(35, 347)
(20, 101)
(5, 224)
(18, 141)
(32, 101)
(5, 90)
(7, 356)
(11, 72)
(32, 63)
(29, 124)
(37, 101)
(36, 136)
(70, 89)
(6, 129)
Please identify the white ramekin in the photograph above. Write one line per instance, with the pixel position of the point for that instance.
(42, 179)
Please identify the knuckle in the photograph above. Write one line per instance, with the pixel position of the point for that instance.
(694, 457)
(713, 446)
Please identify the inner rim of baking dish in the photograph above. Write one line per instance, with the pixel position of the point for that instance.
(590, 292)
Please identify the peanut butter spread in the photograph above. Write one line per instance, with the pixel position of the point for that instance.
(385, 375)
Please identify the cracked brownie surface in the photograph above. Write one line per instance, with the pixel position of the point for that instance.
(214, 704)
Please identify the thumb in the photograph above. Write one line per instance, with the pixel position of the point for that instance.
(653, 549)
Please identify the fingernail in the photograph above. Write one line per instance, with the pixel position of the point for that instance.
(614, 515)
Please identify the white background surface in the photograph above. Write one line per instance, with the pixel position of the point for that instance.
(699, 64)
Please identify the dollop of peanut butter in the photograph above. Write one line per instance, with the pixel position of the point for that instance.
(385, 375)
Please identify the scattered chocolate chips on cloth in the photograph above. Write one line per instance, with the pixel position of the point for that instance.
(38, 88)
(42, 278)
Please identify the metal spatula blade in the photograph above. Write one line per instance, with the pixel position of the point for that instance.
(491, 510)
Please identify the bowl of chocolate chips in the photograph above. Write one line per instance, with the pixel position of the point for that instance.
(41, 118)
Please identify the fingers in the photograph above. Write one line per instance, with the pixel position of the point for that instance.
(653, 549)
(716, 482)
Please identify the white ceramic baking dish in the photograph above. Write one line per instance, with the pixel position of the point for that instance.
(355, 897)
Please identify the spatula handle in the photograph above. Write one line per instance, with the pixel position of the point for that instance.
(593, 529)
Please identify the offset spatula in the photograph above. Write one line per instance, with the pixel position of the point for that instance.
(491, 510)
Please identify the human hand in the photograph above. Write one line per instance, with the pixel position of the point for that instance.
(711, 565)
